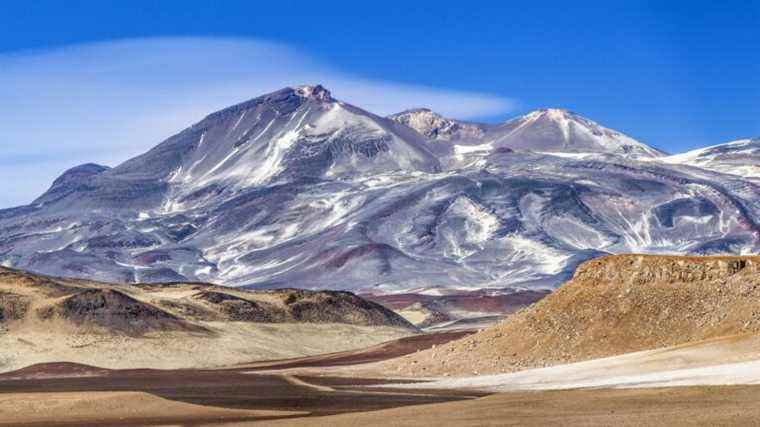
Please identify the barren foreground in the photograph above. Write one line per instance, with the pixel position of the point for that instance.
(64, 394)
(345, 389)
(237, 398)
(660, 321)
(689, 406)
(114, 408)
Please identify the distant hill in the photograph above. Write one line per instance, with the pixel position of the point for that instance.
(47, 319)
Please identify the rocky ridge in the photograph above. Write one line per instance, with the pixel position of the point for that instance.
(31, 301)
(613, 305)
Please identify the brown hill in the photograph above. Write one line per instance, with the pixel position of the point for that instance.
(613, 305)
(48, 319)
(111, 311)
(235, 308)
(298, 306)
(336, 306)
(137, 309)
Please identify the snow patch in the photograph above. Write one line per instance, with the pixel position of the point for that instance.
(469, 149)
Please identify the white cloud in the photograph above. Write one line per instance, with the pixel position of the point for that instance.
(105, 102)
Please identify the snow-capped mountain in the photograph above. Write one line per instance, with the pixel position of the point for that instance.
(548, 130)
(298, 189)
(557, 130)
(740, 157)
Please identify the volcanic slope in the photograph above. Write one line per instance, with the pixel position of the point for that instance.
(298, 189)
(737, 158)
(546, 130)
(44, 319)
(613, 305)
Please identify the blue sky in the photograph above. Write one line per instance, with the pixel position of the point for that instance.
(101, 81)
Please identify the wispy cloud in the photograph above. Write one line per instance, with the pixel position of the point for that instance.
(105, 102)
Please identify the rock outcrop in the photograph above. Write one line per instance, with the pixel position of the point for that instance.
(613, 305)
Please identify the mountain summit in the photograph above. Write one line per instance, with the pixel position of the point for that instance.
(317, 92)
(294, 132)
(558, 130)
(548, 130)
(438, 128)
(291, 134)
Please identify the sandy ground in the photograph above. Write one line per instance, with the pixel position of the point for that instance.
(693, 406)
(75, 395)
(353, 360)
(704, 406)
(310, 392)
(190, 397)
(723, 361)
(235, 342)
(82, 408)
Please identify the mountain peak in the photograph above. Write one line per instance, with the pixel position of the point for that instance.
(316, 92)
(80, 173)
(294, 132)
(434, 126)
(71, 180)
(739, 157)
(421, 110)
(562, 130)
(554, 114)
